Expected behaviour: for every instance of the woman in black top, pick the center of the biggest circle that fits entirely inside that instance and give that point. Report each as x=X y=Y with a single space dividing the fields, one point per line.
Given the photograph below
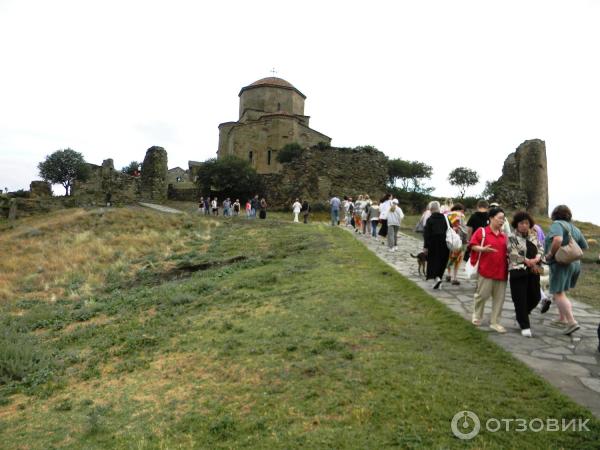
x=434 y=236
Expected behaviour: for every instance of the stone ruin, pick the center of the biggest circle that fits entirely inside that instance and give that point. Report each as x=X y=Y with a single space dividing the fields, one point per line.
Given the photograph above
x=154 y=175
x=322 y=172
x=527 y=168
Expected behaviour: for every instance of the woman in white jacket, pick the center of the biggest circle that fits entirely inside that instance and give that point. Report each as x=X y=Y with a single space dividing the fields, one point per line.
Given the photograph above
x=296 y=207
x=394 y=219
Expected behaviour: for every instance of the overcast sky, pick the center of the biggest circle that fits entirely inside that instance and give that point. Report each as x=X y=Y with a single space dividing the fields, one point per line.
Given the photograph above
x=449 y=83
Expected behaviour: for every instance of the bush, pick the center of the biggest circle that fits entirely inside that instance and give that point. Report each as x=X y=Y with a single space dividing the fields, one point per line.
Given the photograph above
x=289 y=152
x=22 y=360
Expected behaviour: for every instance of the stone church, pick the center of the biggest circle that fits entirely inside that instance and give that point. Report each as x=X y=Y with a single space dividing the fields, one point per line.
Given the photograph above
x=271 y=115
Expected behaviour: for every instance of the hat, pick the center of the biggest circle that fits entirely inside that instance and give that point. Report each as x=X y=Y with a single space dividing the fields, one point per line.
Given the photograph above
x=494 y=205
x=395 y=201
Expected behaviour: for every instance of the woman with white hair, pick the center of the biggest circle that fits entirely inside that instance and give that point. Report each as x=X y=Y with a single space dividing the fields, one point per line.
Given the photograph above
x=394 y=219
x=434 y=246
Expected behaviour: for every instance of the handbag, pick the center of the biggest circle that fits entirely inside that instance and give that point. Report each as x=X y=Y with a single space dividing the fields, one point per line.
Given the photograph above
x=453 y=240
x=470 y=269
x=569 y=253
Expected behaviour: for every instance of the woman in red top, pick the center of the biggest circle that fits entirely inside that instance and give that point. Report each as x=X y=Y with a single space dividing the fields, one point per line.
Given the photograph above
x=493 y=268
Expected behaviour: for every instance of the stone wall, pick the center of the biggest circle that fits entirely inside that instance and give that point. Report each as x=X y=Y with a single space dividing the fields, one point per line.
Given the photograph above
x=107 y=184
x=318 y=174
x=528 y=168
x=154 y=175
x=40 y=189
x=185 y=192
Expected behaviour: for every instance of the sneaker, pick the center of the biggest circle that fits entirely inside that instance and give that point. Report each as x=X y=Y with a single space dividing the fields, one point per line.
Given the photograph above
x=545 y=305
x=526 y=332
x=448 y=278
x=497 y=327
x=476 y=322
x=455 y=283
x=438 y=283
x=571 y=329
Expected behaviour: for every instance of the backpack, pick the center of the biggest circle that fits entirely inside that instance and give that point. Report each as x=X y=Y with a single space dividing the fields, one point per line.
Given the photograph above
x=453 y=240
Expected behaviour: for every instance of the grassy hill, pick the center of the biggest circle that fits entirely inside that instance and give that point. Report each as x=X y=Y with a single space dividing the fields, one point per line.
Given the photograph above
x=129 y=328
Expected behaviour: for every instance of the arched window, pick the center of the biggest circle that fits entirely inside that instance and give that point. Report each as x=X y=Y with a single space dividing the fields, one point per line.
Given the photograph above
x=250 y=155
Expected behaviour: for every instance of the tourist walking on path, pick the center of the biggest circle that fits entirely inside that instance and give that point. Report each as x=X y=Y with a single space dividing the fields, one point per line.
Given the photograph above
x=384 y=207
x=254 y=206
x=248 y=208
x=335 y=210
x=296 y=208
x=394 y=219
x=420 y=226
x=456 y=219
x=305 y=210
x=236 y=207
x=215 y=206
x=263 y=209
x=207 y=204
x=358 y=209
x=477 y=220
x=563 y=276
x=201 y=205
x=489 y=245
x=227 y=207
x=366 y=227
x=374 y=218
x=434 y=245
x=524 y=259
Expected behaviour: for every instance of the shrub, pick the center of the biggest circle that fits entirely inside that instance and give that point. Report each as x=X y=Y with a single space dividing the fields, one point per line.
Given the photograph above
x=289 y=152
x=22 y=360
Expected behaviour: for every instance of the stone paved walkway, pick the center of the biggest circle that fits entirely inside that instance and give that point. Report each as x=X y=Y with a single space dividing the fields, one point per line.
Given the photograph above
x=162 y=208
x=569 y=363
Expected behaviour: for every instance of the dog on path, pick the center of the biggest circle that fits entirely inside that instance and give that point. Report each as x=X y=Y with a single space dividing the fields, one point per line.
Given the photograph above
x=421 y=258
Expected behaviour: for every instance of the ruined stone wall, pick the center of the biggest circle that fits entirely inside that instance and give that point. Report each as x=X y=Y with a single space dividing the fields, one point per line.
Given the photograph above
x=528 y=168
x=106 y=183
x=154 y=175
x=319 y=174
x=185 y=192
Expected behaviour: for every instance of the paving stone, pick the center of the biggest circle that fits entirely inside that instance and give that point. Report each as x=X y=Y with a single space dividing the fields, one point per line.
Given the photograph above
x=583 y=359
x=545 y=355
x=559 y=351
x=591 y=383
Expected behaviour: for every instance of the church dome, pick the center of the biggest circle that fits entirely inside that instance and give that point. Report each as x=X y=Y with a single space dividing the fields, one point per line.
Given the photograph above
x=271 y=82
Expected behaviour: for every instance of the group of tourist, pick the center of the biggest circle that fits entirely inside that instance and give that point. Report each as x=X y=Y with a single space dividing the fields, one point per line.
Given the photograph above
x=369 y=217
x=253 y=206
x=505 y=251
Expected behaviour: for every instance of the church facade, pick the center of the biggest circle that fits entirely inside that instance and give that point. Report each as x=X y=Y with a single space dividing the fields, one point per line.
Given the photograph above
x=271 y=115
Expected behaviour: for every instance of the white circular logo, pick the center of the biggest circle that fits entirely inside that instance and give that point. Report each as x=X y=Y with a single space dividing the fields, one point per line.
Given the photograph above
x=464 y=421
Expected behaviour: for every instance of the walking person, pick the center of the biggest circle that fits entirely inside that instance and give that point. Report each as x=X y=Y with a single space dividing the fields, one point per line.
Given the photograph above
x=374 y=219
x=434 y=245
x=456 y=219
x=236 y=207
x=248 y=208
x=215 y=206
x=563 y=276
x=296 y=208
x=524 y=259
x=305 y=210
x=489 y=244
x=478 y=219
x=384 y=206
x=254 y=206
x=334 y=202
x=207 y=204
x=263 y=209
x=394 y=219
x=201 y=205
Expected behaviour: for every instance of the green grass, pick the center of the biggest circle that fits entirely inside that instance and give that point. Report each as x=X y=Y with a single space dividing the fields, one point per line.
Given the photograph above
x=309 y=341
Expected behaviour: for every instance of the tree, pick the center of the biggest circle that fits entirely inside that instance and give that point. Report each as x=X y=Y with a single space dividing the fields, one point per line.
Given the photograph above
x=228 y=177
x=131 y=168
x=508 y=194
x=409 y=172
x=463 y=178
x=64 y=167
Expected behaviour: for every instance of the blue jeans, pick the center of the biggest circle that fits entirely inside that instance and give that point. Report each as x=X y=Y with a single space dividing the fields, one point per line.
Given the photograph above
x=335 y=217
x=374 y=228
